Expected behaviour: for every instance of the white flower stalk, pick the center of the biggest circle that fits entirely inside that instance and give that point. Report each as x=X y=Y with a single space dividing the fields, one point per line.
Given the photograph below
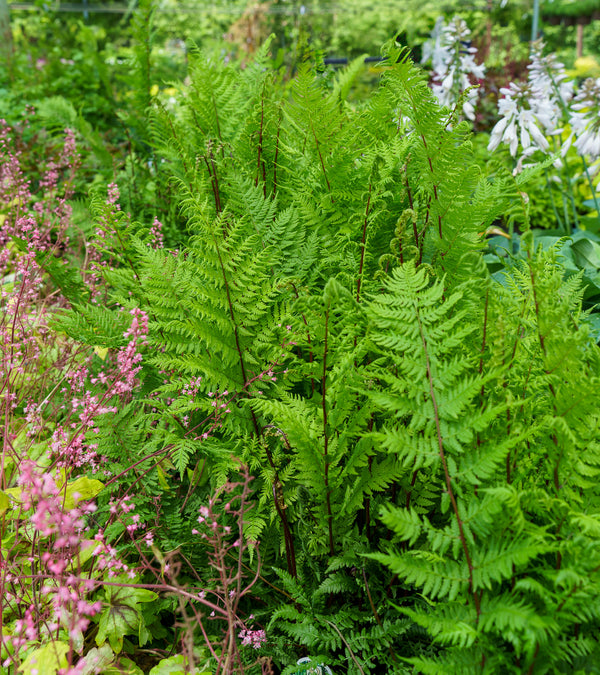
x=454 y=66
x=433 y=49
x=550 y=84
x=521 y=123
x=585 y=120
x=533 y=110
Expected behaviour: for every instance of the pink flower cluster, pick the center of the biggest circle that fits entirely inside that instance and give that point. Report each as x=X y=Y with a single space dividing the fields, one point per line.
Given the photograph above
x=113 y=195
x=256 y=638
x=129 y=357
x=70 y=443
x=132 y=521
x=40 y=221
x=107 y=558
x=50 y=572
x=51 y=213
x=58 y=534
x=158 y=240
x=40 y=493
x=192 y=388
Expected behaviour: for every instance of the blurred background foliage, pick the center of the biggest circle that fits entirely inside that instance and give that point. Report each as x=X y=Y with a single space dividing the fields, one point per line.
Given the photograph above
x=83 y=51
x=95 y=66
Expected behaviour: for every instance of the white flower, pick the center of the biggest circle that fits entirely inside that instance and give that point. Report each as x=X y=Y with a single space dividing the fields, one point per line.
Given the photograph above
x=498 y=135
x=548 y=74
x=550 y=86
x=532 y=111
x=519 y=121
x=531 y=132
x=454 y=66
x=585 y=120
x=433 y=50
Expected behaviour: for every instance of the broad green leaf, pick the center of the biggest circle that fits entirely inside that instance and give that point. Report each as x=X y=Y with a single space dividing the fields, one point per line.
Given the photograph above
x=97 y=659
x=116 y=621
x=594 y=321
x=121 y=614
x=123 y=667
x=81 y=488
x=46 y=660
x=174 y=665
x=591 y=284
x=590 y=225
x=86 y=549
x=587 y=253
x=591 y=204
x=4 y=502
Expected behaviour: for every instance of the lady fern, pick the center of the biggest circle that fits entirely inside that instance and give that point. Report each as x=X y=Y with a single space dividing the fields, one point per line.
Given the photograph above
x=424 y=438
x=493 y=432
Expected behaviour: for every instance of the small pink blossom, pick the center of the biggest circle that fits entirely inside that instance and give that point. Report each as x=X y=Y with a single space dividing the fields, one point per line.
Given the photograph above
x=256 y=638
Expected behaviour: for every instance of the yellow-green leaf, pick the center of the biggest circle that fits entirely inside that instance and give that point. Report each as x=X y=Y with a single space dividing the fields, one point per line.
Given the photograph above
x=13 y=493
x=4 y=502
x=80 y=489
x=174 y=665
x=48 y=659
x=123 y=667
x=97 y=660
x=162 y=478
x=101 y=352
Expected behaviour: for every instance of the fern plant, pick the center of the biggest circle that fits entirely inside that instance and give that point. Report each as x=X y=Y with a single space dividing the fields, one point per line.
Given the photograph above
x=424 y=439
x=493 y=428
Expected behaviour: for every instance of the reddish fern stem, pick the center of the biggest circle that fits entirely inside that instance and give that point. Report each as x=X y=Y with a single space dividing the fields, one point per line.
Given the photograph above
x=277 y=486
x=276 y=154
x=542 y=341
x=412 y=207
x=214 y=182
x=447 y=477
x=311 y=356
x=320 y=156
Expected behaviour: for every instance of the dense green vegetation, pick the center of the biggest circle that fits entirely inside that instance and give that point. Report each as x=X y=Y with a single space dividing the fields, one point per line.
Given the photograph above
x=299 y=366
